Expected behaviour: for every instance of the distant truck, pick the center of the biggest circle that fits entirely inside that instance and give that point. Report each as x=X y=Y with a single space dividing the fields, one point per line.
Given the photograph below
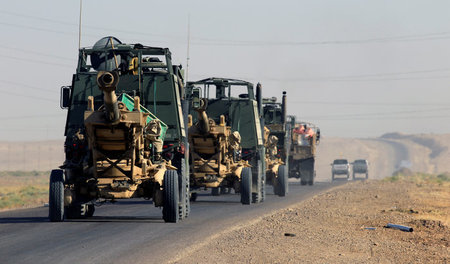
x=340 y=167
x=305 y=137
x=360 y=166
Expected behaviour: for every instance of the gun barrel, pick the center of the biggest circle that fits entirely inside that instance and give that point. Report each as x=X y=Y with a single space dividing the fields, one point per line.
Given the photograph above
x=203 y=120
x=107 y=82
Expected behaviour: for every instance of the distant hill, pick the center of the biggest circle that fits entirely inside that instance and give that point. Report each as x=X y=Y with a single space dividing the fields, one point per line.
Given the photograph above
x=419 y=152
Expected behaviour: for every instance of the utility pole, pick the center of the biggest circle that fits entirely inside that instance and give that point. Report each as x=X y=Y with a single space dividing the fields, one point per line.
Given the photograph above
x=188 y=46
x=79 y=26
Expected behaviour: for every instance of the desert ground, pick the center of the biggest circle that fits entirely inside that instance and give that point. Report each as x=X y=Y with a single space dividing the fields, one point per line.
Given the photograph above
x=342 y=225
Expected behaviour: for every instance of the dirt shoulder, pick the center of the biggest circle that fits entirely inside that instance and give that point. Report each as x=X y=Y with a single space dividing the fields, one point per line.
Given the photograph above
x=330 y=228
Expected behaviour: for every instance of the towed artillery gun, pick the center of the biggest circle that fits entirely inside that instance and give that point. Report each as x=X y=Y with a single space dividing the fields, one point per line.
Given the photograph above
x=215 y=154
x=115 y=147
x=234 y=102
x=305 y=137
x=276 y=143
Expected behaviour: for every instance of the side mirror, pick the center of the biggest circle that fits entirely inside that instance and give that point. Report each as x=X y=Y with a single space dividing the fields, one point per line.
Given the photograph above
x=196 y=102
x=65 y=97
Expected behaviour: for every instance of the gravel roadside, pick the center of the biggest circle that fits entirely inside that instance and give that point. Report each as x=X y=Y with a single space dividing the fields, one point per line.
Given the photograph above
x=345 y=225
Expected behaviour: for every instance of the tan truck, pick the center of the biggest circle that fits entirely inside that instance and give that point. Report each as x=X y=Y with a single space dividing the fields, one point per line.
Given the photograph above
x=305 y=137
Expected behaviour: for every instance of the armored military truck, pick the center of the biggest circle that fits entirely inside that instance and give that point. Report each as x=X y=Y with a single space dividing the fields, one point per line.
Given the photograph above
x=125 y=134
x=215 y=154
x=233 y=102
x=305 y=137
x=277 y=143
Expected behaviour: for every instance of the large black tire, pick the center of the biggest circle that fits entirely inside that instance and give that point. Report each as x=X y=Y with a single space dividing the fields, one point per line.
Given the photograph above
x=194 y=196
x=367 y=175
x=312 y=172
x=258 y=182
x=263 y=185
x=56 y=196
x=182 y=195
x=311 y=178
x=282 y=184
x=171 y=193
x=332 y=176
x=303 y=181
x=90 y=209
x=183 y=181
x=246 y=186
x=307 y=171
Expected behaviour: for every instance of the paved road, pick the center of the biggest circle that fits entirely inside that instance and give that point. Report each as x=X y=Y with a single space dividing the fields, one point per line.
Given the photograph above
x=131 y=231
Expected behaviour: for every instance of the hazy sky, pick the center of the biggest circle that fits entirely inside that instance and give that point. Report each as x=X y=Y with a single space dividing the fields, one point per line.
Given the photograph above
x=355 y=68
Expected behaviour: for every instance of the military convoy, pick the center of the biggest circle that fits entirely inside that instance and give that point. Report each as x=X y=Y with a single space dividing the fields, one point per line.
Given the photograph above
x=134 y=131
x=305 y=137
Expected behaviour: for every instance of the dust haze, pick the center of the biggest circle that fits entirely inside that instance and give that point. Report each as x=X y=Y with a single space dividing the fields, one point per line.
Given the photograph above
x=355 y=69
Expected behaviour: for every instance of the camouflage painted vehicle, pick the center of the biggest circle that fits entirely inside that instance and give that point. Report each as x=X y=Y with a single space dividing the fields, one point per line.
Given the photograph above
x=233 y=102
x=215 y=154
x=305 y=137
x=125 y=132
x=277 y=144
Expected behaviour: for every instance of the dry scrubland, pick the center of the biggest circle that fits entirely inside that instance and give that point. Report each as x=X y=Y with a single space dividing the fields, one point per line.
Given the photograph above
x=330 y=228
x=20 y=189
x=25 y=171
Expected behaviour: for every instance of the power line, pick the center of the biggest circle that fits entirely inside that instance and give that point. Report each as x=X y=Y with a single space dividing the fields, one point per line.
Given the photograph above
x=89 y=27
x=29 y=86
x=431 y=36
x=368 y=103
x=34 y=52
x=381 y=118
x=36 y=61
x=383 y=113
x=345 y=77
x=27 y=96
x=28 y=117
x=225 y=42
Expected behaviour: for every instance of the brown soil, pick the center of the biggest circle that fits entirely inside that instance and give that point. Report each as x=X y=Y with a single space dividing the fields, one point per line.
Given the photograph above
x=336 y=227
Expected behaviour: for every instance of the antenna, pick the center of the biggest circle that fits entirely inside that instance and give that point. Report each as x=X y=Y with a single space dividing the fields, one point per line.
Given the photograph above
x=188 y=44
x=79 y=26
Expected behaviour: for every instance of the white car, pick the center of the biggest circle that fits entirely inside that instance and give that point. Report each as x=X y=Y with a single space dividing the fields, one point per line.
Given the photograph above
x=340 y=167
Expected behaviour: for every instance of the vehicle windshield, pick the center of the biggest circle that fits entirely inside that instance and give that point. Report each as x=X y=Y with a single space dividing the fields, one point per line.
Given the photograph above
x=340 y=161
x=360 y=161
